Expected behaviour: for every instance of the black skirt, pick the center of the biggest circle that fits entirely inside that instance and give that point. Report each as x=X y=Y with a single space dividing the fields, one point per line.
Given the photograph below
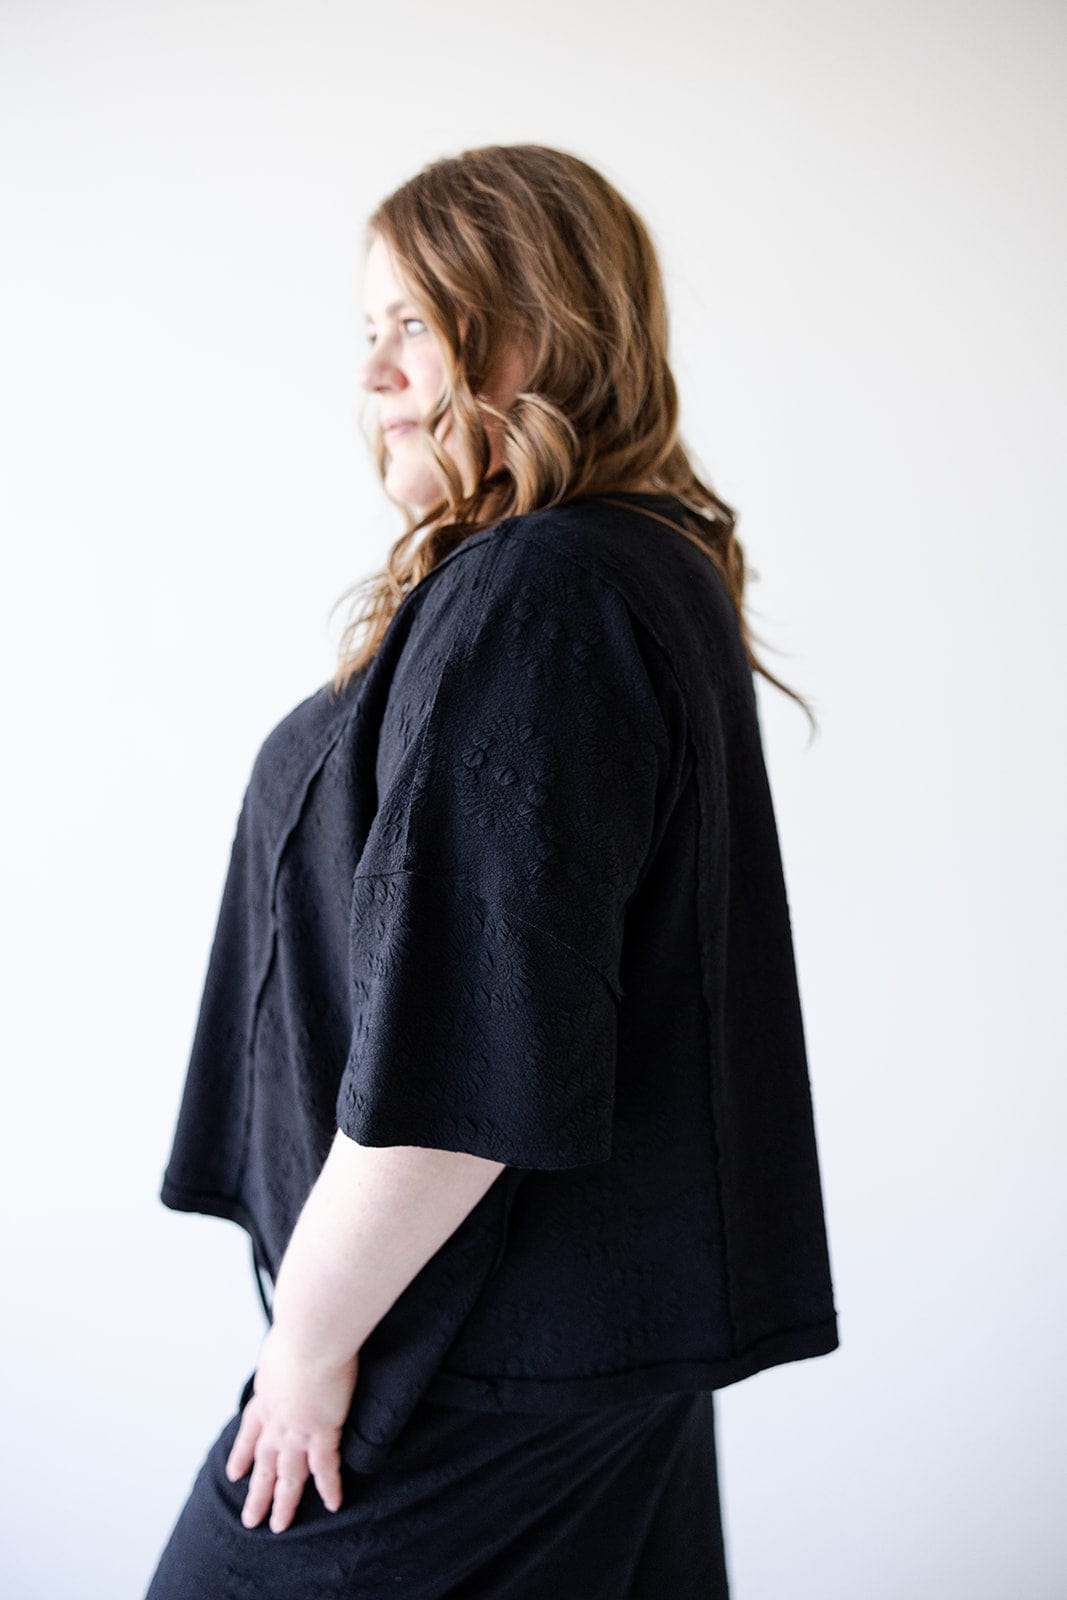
x=620 y=1503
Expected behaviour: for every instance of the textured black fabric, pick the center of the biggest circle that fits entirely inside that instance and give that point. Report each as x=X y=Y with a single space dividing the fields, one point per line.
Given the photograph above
x=518 y=891
x=618 y=1503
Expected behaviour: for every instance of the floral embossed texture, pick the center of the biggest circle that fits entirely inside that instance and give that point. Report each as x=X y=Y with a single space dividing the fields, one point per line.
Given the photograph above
x=489 y=902
x=473 y=1031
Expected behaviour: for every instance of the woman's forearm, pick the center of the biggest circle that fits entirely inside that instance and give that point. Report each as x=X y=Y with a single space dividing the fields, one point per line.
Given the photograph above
x=373 y=1219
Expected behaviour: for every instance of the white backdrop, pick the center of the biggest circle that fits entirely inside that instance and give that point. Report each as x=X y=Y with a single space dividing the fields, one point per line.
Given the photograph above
x=860 y=209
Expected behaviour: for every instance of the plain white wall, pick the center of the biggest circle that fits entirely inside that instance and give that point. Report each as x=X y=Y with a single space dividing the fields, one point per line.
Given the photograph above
x=860 y=209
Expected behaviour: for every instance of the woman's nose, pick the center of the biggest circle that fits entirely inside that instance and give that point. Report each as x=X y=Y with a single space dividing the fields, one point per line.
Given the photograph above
x=369 y=373
x=377 y=373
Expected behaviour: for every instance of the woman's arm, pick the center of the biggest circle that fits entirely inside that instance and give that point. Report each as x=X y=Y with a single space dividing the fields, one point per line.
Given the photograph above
x=374 y=1217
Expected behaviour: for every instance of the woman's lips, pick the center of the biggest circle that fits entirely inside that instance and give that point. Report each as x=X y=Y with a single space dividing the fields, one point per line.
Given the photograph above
x=391 y=429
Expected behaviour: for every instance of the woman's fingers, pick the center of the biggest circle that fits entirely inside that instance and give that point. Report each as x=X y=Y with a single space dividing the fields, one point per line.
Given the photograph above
x=279 y=1474
x=242 y=1452
x=324 y=1460
x=291 y=1476
x=278 y=1478
x=260 y=1487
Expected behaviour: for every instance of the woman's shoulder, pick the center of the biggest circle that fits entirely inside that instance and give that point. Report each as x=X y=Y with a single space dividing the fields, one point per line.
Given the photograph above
x=543 y=589
x=641 y=544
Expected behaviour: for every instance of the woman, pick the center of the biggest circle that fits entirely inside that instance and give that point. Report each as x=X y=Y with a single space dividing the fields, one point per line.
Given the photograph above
x=500 y=1059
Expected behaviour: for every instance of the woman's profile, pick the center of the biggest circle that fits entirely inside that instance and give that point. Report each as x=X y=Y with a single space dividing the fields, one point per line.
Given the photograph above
x=500 y=1059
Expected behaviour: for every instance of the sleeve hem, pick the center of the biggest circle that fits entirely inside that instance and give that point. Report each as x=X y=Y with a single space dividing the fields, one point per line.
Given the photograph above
x=379 y=1133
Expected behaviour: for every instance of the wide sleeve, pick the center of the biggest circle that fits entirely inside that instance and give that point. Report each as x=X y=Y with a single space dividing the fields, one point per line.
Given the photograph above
x=515 y=818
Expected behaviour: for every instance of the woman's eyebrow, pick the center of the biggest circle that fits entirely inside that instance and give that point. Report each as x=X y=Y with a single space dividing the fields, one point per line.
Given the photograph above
x=397 y=305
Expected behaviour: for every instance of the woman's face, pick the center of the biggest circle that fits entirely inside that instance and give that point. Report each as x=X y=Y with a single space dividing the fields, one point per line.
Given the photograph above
x=405 y=369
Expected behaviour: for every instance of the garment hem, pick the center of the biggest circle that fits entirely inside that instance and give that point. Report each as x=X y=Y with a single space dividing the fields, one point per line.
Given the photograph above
x=664 y=1377
x=501 y=1395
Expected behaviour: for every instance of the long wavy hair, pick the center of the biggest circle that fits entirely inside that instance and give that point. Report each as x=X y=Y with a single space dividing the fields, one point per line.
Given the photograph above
x=525 y=244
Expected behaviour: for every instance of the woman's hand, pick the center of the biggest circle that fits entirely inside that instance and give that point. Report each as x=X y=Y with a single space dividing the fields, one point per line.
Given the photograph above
x=290 y=1429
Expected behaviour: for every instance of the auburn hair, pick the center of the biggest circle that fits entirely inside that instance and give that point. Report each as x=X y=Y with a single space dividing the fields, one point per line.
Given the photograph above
x=527 y=244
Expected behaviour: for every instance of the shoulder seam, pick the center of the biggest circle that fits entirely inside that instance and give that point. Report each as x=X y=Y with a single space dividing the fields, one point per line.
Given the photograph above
x=483 y=540
x=471 y=603
x=530 y=536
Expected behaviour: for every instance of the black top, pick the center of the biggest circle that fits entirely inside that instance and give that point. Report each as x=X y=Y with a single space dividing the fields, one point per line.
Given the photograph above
x=518 y=891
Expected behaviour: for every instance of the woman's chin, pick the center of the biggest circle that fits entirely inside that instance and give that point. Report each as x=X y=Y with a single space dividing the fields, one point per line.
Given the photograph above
x=409 y=484
x=409 y=490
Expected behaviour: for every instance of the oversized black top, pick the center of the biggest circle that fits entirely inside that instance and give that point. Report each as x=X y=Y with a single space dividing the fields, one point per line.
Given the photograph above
x=518 y=891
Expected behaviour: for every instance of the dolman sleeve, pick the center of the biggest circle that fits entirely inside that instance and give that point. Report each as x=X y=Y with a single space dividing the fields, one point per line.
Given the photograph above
x=515 y=817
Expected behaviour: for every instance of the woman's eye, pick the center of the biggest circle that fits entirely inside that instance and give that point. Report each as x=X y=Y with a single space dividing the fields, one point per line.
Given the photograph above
x=404 y=323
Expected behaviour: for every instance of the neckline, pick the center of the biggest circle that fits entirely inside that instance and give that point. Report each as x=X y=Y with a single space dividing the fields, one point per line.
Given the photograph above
x=627 y=494
x=636 y=500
